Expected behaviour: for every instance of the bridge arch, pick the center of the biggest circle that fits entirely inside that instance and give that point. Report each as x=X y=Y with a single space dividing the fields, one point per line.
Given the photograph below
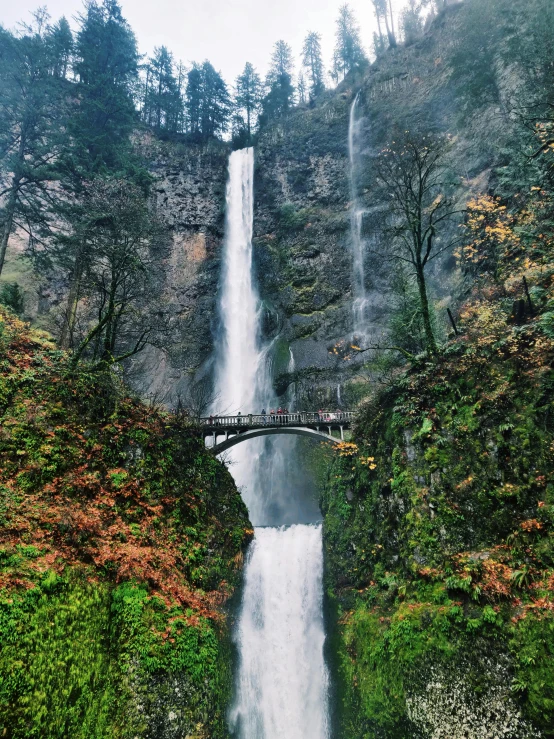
x=271 y=431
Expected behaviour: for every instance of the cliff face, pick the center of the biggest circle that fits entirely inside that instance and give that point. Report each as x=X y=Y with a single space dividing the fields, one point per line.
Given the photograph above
x=188 y=195
x=303 y=234
x=302 y=237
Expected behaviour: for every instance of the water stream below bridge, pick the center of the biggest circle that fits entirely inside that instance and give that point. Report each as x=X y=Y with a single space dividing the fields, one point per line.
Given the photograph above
x=281 y=682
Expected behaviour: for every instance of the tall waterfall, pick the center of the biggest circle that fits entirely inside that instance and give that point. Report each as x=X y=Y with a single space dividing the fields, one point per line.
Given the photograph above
x=238 y=355
x=281 y=682
x=359 y=296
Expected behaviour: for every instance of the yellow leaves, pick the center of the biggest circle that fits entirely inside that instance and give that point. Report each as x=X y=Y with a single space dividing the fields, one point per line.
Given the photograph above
x=350 y=450
x=531 y=525
x=346 y=449
x=368 y=462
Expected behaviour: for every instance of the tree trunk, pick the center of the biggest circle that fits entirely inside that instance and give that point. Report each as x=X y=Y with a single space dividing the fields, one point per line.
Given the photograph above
x=392 y=22
x=379 y=27
x=425 y=312
x=68 y=328
x=390 y=33
x=8 y=224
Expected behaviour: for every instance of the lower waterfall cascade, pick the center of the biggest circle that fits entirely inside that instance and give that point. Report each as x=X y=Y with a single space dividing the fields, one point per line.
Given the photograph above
x=281 y=684
x=282 y=680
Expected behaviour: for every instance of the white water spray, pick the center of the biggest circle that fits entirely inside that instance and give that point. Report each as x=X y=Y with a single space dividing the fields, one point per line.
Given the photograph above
x=282 y=682
x=238 y=355
x=359 y=296
x=281 y=686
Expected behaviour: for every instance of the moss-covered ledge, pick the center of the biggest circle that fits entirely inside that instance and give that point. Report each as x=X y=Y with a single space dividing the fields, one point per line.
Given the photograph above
x=120 y=540
x=439 y=525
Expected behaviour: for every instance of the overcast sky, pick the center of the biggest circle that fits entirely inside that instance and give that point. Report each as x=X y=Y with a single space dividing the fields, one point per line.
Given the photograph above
x=227 y=32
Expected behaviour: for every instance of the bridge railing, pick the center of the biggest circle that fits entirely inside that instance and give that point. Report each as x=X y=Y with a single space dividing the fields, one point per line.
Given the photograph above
x=299 y=418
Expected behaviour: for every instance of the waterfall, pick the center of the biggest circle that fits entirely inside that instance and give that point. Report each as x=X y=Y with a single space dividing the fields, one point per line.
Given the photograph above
x=359 y=297
x=281 y=682
x=238 y=354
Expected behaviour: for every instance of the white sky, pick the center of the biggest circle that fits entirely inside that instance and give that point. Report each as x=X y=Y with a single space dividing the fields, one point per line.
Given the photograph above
x=227 y=32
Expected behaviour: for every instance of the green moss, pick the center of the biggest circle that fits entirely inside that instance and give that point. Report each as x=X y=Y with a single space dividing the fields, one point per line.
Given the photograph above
x=444 y=551
x=121 y=535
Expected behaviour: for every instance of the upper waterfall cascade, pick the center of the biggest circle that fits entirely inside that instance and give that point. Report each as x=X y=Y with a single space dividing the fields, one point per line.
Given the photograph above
x=282 y=680
x=359 y=296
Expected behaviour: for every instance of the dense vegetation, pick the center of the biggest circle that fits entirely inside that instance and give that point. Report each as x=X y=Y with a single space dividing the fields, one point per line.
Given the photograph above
x=438 y=527
x=120 y=539
x=439 y=515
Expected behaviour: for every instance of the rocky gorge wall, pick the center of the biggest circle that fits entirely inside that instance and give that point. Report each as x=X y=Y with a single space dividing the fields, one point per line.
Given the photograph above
x=302 y=240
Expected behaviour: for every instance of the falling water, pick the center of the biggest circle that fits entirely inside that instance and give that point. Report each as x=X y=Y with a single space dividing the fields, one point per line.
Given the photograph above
x=359 y=297
x=239 y=355
x=281 y=682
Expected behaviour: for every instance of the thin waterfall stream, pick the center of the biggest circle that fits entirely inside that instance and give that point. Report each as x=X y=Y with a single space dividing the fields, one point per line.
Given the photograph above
x=359 y=296
x=281 y=684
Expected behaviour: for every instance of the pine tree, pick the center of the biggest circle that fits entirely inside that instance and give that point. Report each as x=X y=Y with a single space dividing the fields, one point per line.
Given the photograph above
x=383 y=12
x=208 y=102
x=302 y=89
x=30 y=109
x=248 y=97
x=412 y=21
x=162 y=100
x=60 y=40
x=313 y=63
x=193 y=98
x=348 y=47
x=106 y=65
x=280 y=96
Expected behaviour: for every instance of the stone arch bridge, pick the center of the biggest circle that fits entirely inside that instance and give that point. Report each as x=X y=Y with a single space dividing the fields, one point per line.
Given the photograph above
x=223 y=432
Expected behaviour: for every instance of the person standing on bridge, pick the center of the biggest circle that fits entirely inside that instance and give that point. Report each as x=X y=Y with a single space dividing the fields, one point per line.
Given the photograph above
x=264 y=419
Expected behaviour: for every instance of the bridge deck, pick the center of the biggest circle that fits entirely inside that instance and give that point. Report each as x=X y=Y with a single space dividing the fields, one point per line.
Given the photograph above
x=276 y=420
x=239 y=428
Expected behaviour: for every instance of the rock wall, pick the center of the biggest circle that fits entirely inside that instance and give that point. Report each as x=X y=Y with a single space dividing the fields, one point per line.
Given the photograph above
x=302 y=240
x=188 y=196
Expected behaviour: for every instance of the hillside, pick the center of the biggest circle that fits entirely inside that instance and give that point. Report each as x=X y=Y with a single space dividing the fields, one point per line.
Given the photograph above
x=439 y=515
x=121 y=539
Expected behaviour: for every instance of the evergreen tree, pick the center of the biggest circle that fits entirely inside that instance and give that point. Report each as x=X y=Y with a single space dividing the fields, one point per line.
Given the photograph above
x=193 y=98
x=216 y=102
x=412 y=21
x=248 y=97
x=106 y=65
x=208 y=102
x=348 y=47
x=30 y=108
x=280 y=96
x=302 y=89
x=281 y=61
x=162 y=99
x=61 y=44
x=383 y=13
x=313 y=63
